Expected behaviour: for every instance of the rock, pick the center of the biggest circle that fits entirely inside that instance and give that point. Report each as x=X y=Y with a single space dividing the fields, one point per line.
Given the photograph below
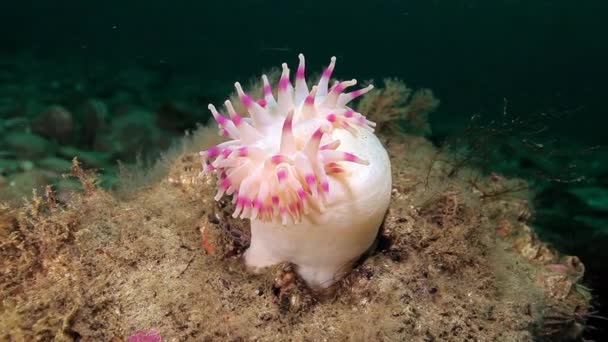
x=131 y=135
x=55 y=122
x=8 y=166
x=20 y=185
x=28 y=145
x=26 y=165
x=94 y=116
x=558 y=286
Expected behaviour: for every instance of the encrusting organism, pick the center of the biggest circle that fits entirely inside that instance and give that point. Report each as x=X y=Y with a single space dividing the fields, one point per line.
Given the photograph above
x=307 y=170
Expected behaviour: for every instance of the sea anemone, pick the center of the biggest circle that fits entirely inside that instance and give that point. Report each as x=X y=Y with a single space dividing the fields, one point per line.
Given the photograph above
x=307 y=170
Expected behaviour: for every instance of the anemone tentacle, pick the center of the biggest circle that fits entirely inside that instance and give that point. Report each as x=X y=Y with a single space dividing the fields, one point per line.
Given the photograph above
x=269 y=171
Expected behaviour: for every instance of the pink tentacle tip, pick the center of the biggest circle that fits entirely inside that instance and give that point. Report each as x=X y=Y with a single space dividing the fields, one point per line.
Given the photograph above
x=310 y=100
x=338 y=88
x=220 y=120
x=302 y=194
x=310 y=179
x=225 y=184
x=145 y=336
x=350 y=157
x=247 y=100
x=237 y=119
x=258 y=204
x=332 y=118
x=318 y=134
x=262 y=102
x=283 y=83
x=278 y=159
x=243 y=152
x=213 y=152
x=325 y=186
x=300 y=73
x=239 y=201
x=246 y=202
x=357 y=93
x=226 y=152
x=282 y=175
x=334 y=168
x=288 y=123
x=267 y=89
x=353 y=158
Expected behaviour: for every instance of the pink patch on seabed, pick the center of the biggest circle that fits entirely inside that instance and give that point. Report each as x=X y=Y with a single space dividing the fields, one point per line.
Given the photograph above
x=145 y=336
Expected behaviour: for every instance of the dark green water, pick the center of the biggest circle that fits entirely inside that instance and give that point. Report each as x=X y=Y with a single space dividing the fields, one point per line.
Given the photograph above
x=544 y=63
x=545 y=55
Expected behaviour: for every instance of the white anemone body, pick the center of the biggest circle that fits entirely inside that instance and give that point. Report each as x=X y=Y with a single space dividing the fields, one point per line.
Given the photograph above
x=309 y=173
x=325 y=244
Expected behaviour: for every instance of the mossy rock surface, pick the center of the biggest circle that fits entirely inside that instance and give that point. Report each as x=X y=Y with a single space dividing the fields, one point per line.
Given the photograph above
x=452 y=263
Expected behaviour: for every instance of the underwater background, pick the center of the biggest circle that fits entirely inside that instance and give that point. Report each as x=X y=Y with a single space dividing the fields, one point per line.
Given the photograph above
x=117 y=80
